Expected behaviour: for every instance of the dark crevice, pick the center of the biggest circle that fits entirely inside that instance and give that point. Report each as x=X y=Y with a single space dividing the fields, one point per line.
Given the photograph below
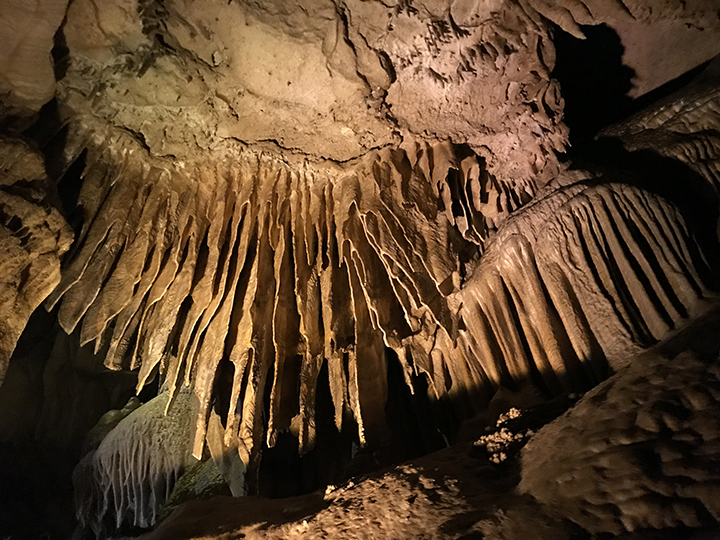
x=60 y=54
x=593 y=80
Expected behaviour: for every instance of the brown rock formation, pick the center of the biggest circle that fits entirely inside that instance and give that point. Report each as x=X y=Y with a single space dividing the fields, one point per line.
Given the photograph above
x=27 y=80
x=132 y=472
x=33 y=237
x=638 y=452
x=271 y=191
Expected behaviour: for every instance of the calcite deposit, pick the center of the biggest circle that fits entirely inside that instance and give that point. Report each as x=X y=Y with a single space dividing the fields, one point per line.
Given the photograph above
x=317 y=237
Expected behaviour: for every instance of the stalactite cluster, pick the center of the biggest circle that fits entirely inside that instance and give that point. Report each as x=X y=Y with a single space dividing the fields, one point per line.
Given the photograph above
x=275 y=270
x=577 y=282
x=130 y=476
x=683 y=128
x=268 y=270
x=283 y=210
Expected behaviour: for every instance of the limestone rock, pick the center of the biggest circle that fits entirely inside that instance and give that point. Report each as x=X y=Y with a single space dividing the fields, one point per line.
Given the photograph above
x=420 y=250
x=201 y=481
x=33 y=237
x=640 y=451
x=106 y=424
x=132 y=473
x=27 y=30
x=102 y=31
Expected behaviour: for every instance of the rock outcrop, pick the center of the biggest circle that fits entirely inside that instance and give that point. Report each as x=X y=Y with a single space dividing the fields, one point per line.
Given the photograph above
x=27 y=78
x=131 y=474
x=33 y=237
x=409 y=249
x=634 y=458
x=268 y=192
x=640 y=451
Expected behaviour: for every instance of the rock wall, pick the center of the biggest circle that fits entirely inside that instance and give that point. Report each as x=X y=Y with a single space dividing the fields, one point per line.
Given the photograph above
x=33 y=237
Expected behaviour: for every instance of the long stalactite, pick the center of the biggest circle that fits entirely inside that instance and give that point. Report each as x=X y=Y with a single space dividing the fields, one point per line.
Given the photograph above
x=275 y=269
x=270 y=269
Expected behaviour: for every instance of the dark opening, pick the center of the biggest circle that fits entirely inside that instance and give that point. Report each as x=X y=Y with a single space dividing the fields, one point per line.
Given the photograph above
x=593 y=79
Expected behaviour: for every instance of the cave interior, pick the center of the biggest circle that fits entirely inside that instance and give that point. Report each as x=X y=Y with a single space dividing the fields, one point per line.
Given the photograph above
x=360 y=269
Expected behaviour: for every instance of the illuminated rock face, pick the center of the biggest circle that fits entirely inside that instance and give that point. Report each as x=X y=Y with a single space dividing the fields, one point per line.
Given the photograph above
x=268 y=191
x=132 y=472
x=33 y=237
x=27 y=80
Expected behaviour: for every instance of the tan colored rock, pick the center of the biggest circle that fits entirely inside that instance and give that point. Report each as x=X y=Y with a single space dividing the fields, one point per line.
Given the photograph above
x=682 y=128
x=638 y=452
x=324 y=237
x=131 y=475
x=440 y=64
x=27 y=30
x=101 y=30
x=19 y=163
x=279 y=269
x=33 y=237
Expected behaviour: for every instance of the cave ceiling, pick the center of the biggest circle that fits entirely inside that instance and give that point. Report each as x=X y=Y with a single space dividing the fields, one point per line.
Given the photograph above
x=269 y=187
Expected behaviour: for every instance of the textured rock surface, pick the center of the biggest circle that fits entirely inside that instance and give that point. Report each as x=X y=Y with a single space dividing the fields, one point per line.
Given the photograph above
x=411 y=249
x=201 y=481
x=578 y=280
x=324 y=80
x=273 y=190
x=27 y=30
x=33 y=237
x=652 y=471
x=426 y=499
x=134 y=469
x=684 y=127
x=328 y=233
x=640 y=451
x=336 y=80
x=106 y=424
x=377 y=234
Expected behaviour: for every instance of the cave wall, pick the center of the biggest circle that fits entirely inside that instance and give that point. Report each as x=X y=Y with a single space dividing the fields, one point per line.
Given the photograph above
x=268 y=191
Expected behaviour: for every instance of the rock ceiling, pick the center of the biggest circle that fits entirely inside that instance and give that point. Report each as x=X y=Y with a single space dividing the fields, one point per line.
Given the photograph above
x=270 y=187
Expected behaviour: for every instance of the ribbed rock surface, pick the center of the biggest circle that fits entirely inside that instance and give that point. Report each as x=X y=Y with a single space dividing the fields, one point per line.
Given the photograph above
x=132 y=473
x=270 y=269
x=579 y=280
x=684 y=127
x=264 y=265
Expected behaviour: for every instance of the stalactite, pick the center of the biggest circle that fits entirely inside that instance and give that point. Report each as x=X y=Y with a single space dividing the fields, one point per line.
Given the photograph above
x=278 y=268
x=578 y=282
x=683 y=128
